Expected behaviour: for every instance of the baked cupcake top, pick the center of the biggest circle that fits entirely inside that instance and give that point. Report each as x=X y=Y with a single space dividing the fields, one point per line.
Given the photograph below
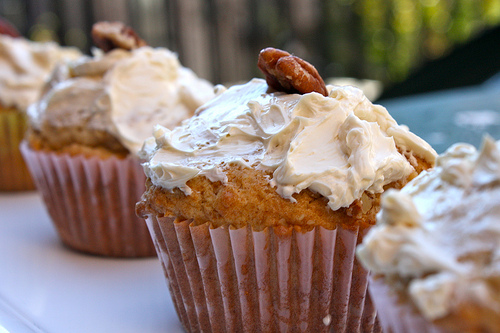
x=25 y=66
x=339 y=145
x=439 y=236
x=114 y=99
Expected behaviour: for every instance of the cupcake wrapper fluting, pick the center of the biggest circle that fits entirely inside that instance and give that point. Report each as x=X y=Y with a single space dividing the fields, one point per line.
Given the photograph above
x=92 y=201
x=395 y=315
x=14 y=175
x=278 y=279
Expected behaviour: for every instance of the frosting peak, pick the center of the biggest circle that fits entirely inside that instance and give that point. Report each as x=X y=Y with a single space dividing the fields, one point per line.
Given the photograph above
x=399 y=209
x=338 y=146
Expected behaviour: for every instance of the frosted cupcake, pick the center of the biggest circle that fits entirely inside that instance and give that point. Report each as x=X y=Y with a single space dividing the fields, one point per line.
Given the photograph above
x=25 y=66
x=87 y=128
x=435 y=252
x=257 y=202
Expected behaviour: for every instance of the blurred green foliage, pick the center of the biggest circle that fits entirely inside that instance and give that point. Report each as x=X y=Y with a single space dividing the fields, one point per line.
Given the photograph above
x=399 y=35
x=376 y=39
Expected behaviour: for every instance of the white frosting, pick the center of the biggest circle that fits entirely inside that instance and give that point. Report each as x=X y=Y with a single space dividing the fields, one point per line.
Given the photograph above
x=25 y=66
x=338 y=146
x=442 y=232
x=124 y=93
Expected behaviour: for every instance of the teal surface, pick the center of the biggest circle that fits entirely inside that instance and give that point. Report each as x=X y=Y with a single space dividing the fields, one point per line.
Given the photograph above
x=447 y=117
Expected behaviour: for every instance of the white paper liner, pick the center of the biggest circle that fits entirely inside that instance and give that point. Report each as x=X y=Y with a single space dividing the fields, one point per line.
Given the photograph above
x=397 y=316
x=92 y=201
x=14 y=175
x=278 y=279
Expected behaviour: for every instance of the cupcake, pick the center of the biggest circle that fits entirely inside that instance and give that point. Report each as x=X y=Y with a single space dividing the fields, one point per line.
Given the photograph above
x=257 y=202
x=435 y=251
x=85 y=131
x=24 y=68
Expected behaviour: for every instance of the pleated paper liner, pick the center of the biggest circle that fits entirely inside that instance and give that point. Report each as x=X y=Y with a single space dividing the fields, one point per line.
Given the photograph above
x=397 y=315
x=275 y=280
x=14 y=174
x=92 y=201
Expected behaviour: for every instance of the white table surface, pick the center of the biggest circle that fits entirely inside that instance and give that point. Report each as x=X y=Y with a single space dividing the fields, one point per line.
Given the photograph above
x=45 y=287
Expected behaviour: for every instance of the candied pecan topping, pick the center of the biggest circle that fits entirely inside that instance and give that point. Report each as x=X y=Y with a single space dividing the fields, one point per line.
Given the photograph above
x=111 y=35
x=6 y=28
x=288 y=73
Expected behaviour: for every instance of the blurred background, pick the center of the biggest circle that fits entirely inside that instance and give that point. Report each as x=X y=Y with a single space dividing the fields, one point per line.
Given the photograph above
x=390 y=41
x=434 y=64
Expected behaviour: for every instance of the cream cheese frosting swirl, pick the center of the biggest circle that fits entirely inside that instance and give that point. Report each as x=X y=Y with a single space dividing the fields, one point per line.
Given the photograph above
x=25 y=66
x=122 y=94
x=339 y=146
x=441 y=233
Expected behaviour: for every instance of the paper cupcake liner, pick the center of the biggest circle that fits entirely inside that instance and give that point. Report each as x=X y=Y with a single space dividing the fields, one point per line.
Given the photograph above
x=92 y=201
x=14 y=175
x=397 y=315
x=278 y=279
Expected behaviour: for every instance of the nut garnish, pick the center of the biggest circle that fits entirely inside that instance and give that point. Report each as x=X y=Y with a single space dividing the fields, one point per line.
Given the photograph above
x=112 y=35
x=6 y=28
x=288 y=73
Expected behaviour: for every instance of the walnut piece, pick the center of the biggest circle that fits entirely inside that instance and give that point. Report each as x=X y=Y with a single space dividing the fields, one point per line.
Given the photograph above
x=111 y=35
x=288 y=73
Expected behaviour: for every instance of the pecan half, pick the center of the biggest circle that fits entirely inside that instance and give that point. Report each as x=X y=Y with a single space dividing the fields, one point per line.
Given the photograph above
x=288 y=73
x=6 y=28
x=112 y=35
